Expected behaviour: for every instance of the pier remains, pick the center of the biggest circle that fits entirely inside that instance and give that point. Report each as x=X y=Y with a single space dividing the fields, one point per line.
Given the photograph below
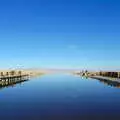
x=12 y=77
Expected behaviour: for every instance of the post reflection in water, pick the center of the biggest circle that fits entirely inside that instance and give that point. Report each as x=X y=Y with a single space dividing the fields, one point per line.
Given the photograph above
x=105 y=82
x=12 y=81
x=110 y=83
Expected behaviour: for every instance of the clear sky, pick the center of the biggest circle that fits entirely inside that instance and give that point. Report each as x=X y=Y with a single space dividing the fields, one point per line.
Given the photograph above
x=60 y=33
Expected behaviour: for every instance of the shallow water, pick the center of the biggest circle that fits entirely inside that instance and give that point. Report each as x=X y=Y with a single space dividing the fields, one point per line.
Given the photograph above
x=60 y=97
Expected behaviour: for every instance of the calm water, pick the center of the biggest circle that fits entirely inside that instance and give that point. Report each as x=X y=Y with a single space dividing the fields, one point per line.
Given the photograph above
x=60 y=97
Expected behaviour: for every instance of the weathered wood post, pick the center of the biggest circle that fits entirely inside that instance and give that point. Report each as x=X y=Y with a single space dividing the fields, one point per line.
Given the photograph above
x=7 y=73
x=19 y=73
x=12 y=73
x=1 y=74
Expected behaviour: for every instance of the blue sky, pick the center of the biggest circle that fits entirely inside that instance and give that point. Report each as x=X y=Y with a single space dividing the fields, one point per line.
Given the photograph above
x=60 y=34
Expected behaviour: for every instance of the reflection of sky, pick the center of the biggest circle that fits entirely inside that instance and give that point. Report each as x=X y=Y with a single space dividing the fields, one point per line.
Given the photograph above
x=59 y=95
x=62 y=34
x=57 y=86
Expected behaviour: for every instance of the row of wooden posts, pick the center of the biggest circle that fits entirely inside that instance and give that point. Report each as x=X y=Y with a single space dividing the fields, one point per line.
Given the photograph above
x=102 y=73
x=110 y=74
x=11 y=73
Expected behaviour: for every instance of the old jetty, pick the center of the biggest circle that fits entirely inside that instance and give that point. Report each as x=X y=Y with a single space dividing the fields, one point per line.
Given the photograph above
x=12 y=77
x=113 y=76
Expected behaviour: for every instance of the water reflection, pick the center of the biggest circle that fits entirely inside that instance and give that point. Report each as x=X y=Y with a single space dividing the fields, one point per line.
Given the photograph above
x=105 y=82
x=84 y=77
x=11 y=82
x=110 y=83
x=62 y=97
